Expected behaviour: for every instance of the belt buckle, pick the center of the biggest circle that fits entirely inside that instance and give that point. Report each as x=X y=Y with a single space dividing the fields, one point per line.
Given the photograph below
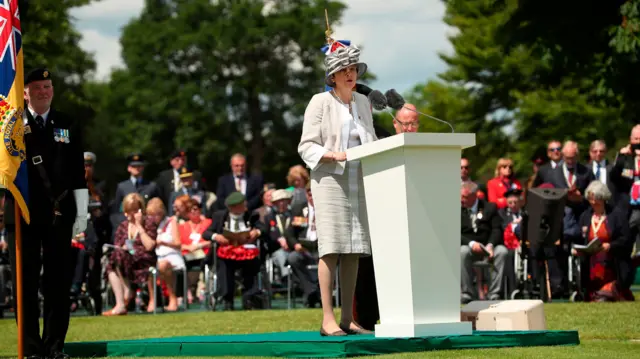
x=37 y=160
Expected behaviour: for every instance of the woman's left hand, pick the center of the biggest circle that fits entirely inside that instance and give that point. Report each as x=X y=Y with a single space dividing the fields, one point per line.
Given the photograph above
x=606 y=247
x=137 y=218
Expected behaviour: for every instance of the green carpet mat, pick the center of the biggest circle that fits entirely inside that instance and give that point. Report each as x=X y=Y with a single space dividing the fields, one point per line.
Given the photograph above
x=312 y=345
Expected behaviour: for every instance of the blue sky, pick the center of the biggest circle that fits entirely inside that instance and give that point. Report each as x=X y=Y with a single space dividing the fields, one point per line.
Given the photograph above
x=400 y=39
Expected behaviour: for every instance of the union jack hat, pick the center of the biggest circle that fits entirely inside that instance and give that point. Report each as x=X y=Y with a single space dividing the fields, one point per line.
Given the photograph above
x=341 y=54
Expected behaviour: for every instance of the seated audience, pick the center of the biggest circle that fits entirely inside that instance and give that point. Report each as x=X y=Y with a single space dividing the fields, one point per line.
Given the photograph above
x=609 y=224
x=481 y=237
x=167 y=248
x=135 y=239
x=267 y=206
x=278 y=222
x=302 y=239
x=237 y=251
x=180 y=208
x=194 y=248
x=503 y=181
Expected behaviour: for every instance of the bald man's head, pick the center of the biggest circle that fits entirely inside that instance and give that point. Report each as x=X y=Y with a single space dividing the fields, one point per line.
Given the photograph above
x=406 y=119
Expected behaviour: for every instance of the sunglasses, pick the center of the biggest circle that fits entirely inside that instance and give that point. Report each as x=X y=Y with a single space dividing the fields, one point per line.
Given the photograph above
x=554 y=149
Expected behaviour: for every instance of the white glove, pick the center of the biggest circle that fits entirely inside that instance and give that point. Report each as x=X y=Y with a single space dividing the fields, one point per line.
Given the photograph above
x=82 y=207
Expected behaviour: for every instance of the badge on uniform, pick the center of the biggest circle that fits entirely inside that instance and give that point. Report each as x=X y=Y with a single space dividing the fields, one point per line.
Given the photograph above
x=628 y=173
x=61 y=135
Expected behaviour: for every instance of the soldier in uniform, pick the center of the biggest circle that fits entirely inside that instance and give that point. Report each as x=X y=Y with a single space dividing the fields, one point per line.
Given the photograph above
x=135 y=183
x=58 y=206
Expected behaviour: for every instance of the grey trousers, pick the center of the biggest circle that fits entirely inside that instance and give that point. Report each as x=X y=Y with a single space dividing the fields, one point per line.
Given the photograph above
x=500 y=261
x=280 y=259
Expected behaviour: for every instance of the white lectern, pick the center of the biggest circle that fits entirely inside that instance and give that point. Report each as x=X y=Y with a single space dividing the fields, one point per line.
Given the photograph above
x=412 y=187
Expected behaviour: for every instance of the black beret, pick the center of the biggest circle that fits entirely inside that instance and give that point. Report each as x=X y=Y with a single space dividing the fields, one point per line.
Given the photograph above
x=513 y=192
x=178 y=153
x=38 y=74
x=135 y=159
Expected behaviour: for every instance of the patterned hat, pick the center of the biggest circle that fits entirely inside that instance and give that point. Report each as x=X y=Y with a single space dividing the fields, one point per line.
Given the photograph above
x=342 y=58
x=89 y=158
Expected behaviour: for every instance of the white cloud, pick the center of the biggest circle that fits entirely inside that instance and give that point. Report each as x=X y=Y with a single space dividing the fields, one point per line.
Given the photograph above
x=109 y=9
x=106 y=50
x=400 y=39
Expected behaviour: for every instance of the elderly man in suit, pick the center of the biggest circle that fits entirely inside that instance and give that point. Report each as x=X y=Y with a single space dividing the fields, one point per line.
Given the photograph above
x=239 y=181
x=481 y=240
x=135 y=183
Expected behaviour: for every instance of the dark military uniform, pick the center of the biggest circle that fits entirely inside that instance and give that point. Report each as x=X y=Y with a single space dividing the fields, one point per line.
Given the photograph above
x=55 y=169
x=142 y=186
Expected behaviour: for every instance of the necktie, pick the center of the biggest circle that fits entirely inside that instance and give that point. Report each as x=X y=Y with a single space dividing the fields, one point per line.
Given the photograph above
x=138 y=183
x=238 y=185
x=236 y=225
x=597 y=171
x=570 y=176
x=40 y=122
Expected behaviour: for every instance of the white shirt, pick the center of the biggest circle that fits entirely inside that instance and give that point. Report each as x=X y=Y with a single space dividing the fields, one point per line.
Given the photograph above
x=239 y=219
x=603 y=171
x=243 y=183
x=312 y=235
x=44 y=116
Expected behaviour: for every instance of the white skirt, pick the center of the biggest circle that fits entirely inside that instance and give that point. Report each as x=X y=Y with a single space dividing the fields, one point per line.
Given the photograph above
x=341 y=212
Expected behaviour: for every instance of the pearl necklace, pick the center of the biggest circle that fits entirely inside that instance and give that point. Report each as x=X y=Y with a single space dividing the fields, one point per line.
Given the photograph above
x=340 y=100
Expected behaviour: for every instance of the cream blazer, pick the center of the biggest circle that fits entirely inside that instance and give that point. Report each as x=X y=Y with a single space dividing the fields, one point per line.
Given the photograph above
x=326 y=128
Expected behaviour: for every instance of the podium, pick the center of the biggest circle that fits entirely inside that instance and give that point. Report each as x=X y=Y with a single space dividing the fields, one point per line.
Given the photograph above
x=412 y=188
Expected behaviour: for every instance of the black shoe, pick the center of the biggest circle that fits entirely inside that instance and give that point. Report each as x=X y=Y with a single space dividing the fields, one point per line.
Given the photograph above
x=337 y=333
x=359 y=330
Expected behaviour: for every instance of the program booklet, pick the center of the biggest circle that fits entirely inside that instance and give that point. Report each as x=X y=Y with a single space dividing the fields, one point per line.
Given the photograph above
x=237 y=238
x=590 y=248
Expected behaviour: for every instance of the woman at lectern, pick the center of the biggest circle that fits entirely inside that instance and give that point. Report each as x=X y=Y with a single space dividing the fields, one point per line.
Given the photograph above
x=333 y=122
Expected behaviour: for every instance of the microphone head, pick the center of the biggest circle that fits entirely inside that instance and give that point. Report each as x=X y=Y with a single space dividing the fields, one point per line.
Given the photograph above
x=394 y=100
x=363 y=89
x=378 y=100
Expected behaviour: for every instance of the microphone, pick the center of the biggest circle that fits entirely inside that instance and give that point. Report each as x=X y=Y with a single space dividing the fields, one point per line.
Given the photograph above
x=378 y=100
x=396 y=102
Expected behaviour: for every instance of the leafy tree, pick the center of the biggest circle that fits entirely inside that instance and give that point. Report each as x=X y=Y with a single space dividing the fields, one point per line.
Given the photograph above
x=217 y=78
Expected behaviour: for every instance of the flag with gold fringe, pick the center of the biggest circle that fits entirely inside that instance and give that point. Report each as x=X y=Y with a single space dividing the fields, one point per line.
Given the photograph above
x=13 y=168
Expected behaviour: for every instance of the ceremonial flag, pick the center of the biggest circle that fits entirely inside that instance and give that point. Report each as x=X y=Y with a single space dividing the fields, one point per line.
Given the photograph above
x=329 y=48
x=13 y=168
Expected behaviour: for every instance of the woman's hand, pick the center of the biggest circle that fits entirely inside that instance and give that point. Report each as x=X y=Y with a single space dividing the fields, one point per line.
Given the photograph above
x=339 y=156
x=137 y=218
x=606 y=247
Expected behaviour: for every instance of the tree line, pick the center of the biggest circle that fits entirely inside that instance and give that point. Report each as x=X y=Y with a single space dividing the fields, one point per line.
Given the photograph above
x=235 y=76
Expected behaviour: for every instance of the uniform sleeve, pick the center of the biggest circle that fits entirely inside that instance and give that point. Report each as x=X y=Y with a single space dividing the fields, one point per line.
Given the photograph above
x=76 y=166
x=311 y=147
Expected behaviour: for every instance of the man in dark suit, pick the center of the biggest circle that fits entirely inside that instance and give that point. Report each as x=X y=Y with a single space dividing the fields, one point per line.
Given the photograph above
x=135 y=183
x=58 y=210
x=168 y=181
x=554 y=154
x=239 y=181
x=600 y=166
x=573 y=175
x=302 y=239
x=189 y=188
x=625 y=174
x=481 y=240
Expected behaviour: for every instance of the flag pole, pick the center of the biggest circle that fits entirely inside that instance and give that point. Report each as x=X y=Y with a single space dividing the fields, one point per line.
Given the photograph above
x=19 y=309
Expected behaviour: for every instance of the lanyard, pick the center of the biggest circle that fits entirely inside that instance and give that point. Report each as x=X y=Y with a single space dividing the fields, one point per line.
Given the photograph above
x=596 y=224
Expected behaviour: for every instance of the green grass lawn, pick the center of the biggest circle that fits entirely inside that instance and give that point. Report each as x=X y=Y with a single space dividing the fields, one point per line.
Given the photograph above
x=606 y=329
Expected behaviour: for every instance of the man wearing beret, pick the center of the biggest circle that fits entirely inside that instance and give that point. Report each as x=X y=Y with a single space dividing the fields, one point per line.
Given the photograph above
x=233 y=253
x=58 y=208
x=135 y=183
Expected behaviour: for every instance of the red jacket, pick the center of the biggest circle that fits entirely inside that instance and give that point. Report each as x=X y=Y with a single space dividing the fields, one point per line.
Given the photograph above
x=497 y=187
